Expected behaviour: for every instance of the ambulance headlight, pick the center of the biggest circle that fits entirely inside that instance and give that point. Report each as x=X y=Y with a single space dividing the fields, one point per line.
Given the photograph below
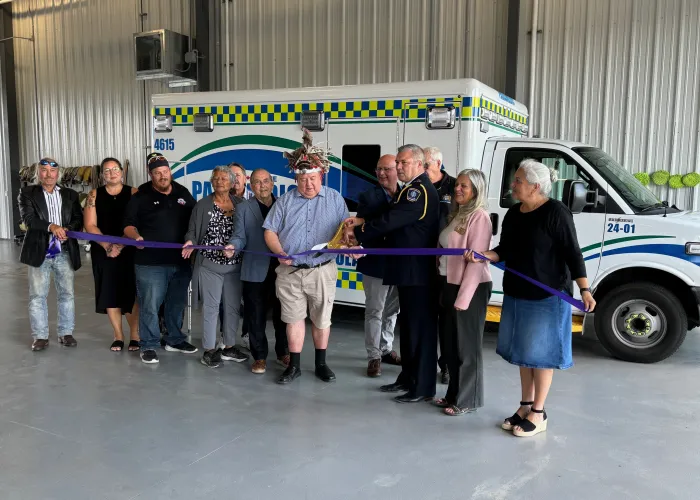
x=692 y=248
x=440 y=117
x=163 y=123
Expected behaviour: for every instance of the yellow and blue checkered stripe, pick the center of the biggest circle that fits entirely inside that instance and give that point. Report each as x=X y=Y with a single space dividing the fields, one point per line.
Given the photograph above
x=415 y=109
x=467 y=108
x=503 y=111
x=351 y=280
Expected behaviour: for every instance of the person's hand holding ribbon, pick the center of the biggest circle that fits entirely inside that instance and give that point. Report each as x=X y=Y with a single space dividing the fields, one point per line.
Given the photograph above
x=187 y=252
x=229 y=250
x=354 y=255
x=588 y=301
x=58 y=231
x=286 y=262
x=113 y=250
x=478 y=257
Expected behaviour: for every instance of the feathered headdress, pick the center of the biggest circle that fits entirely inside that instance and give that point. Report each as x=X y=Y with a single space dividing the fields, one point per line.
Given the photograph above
x=308 y=158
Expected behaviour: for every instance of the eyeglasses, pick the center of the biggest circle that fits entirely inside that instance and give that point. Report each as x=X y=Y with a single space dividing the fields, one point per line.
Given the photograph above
x=49 y=163
x=384 y=170
x=156 y=157
x=113 y=170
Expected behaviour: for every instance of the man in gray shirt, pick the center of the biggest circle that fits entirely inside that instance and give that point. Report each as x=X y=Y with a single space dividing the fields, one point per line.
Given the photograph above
x=301 y=219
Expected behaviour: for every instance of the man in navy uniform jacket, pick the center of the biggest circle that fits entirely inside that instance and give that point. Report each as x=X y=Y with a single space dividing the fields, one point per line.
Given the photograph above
x=411 y=222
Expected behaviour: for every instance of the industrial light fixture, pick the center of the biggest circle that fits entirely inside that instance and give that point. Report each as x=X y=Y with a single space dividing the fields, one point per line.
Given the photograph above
x=182 y=82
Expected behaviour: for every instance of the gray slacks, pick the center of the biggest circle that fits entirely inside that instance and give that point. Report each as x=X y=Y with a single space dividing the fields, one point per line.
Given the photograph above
x=215 y=288
x=381 y=310
x=464 y=337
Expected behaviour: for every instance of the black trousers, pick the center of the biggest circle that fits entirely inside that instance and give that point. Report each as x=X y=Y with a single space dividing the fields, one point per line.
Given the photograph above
x=257 y=299
x=443 y=342
x=464 y=335
x=418 y=325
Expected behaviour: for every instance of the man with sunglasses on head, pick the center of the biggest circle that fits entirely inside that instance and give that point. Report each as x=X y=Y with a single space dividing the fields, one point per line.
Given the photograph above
x=160 y=211
x=48 y=211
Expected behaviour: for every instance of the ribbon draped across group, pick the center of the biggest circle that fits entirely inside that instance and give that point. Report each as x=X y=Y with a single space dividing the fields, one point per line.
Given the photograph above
x=117 y=240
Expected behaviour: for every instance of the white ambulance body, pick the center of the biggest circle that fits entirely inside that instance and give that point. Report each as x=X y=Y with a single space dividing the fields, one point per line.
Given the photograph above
x=641 y=256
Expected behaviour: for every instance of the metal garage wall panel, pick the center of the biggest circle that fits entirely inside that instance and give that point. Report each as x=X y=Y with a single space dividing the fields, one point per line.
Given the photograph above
x=623 y=75
x=5 y=171
x=90 y=105
x=292 y=43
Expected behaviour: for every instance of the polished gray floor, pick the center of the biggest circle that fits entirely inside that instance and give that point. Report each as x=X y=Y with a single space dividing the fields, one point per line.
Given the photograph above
x=86 y=423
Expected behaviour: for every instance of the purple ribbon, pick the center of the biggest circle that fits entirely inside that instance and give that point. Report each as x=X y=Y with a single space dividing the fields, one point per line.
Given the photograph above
x=101 y=238
x=54 y=247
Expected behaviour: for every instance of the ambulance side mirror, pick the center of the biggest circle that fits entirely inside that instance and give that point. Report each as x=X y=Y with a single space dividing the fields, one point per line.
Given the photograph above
x=577 y=197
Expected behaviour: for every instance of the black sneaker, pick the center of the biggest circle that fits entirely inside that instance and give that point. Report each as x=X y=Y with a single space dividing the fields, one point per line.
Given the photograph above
x=212 y=359
x=183 y=347
x=233 y=354
x=149 y=356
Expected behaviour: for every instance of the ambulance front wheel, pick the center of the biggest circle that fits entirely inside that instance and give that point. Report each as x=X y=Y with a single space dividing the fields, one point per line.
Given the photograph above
x=640 y=322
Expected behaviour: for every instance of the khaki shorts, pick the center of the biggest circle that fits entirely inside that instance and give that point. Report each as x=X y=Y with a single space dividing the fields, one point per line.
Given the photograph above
x=314 y=288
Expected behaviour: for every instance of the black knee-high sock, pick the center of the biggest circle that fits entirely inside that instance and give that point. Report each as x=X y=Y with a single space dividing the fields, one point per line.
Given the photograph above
x=295 y=359
x=320 y=357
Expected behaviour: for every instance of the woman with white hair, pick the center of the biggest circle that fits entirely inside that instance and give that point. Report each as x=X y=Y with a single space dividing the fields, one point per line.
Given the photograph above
x=538 y=239
x=466 y=291
x=216 y=278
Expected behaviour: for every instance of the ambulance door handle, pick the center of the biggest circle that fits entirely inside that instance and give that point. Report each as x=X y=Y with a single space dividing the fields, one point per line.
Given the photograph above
x=494 y=224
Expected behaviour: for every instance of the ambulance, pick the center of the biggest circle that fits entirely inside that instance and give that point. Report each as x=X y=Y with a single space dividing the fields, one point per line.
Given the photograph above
x=642 y=256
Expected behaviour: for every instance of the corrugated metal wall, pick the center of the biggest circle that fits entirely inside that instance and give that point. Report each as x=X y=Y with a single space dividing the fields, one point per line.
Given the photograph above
x=623 y=75
x=90 y=105
x=5 y=172
x=295 y=43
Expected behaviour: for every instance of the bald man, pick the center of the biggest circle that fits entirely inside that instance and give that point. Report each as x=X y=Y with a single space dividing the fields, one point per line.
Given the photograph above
x=258 y=272
x=381 y=301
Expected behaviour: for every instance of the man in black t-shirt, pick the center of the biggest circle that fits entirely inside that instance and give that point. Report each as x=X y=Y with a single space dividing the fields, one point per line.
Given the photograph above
x=445 y=186
x=160 y=211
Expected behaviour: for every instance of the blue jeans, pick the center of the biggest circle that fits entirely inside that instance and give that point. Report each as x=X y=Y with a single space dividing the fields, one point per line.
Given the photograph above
x=39 y=282
x=155 y=285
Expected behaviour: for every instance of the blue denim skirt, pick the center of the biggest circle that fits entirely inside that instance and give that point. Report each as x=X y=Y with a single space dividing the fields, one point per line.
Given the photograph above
x=536 y=333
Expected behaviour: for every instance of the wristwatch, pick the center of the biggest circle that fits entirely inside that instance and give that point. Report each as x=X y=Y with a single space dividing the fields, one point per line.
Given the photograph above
x=584 y=290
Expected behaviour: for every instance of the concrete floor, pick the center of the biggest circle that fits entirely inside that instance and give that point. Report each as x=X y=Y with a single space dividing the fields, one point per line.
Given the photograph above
x=87 y=423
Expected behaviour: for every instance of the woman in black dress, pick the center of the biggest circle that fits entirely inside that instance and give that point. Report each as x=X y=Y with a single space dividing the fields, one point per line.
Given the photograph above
x=113 y=265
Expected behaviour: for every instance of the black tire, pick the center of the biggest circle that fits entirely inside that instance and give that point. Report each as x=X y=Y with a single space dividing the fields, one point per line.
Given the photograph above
x=659 y=308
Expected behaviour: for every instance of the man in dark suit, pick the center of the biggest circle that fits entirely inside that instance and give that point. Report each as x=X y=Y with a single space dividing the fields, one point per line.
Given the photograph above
x=258 y=272
x=412 y=222
x=381 y=301
x=48 y=211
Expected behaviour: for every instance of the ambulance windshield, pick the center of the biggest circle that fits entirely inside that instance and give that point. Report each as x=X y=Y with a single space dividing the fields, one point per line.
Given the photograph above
x=635 y=194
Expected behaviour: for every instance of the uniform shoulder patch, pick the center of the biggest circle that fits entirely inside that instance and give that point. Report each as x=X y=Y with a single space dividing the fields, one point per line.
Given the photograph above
x=412 y=194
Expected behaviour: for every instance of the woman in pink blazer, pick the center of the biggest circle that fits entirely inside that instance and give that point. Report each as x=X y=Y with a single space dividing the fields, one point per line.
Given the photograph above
x=466 y=291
